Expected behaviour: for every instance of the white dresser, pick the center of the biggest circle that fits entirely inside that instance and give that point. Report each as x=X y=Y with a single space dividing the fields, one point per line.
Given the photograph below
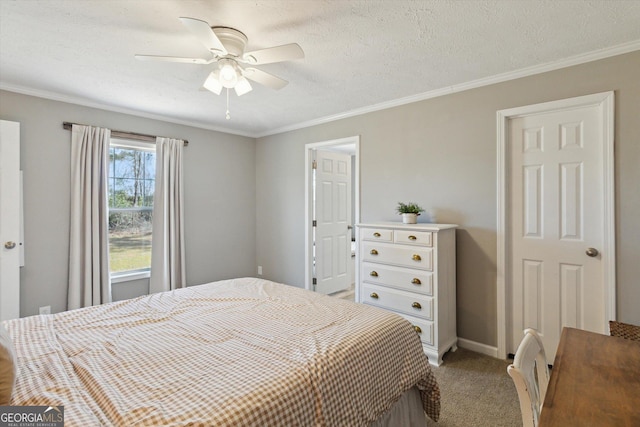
x=411 y=269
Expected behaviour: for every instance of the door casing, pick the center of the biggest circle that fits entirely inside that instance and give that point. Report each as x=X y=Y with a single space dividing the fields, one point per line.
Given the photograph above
x=308 y=200
x=605 y=101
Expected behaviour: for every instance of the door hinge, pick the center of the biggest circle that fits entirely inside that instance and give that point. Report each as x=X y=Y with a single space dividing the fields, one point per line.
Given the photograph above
x=314 y=165
x=314 y=223
x=314 y=283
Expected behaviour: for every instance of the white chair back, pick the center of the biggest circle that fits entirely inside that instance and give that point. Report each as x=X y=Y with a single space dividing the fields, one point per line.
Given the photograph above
x=530 y=374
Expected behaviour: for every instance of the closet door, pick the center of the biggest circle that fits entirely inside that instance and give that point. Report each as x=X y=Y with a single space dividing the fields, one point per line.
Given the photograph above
x=9 y=220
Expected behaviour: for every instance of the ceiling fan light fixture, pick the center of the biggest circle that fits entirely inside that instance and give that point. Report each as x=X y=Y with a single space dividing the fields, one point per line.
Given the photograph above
x=213 y=84
x=228 y=73
x=243 y=86
x=226 y=46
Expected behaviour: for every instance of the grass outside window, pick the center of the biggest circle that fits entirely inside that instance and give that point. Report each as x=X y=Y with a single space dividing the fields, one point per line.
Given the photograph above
x=129 y=252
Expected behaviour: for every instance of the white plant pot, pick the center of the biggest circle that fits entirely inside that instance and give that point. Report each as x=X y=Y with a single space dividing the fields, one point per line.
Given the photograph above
x=409 y=218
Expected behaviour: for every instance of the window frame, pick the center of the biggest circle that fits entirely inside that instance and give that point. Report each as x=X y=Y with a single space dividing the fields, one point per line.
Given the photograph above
x=142 y=273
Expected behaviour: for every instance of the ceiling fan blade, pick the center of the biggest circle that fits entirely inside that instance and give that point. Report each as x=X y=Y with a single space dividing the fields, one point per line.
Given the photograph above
x=264 y=78
x=286 y=52
x=205 y=34
x=174 y=59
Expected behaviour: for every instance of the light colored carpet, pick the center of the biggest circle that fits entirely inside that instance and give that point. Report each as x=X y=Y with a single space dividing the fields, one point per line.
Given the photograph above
x=476 y=391
x=348 y=294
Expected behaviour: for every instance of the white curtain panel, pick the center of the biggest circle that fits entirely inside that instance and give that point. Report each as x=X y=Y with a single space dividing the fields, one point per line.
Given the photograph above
x=167 y=244
x=89 y=282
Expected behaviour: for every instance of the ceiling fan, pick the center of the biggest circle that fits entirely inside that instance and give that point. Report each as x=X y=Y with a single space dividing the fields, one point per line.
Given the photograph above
x=226 y=46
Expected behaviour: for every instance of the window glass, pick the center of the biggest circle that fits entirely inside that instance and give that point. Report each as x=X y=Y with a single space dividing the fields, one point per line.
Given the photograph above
x=131 y=186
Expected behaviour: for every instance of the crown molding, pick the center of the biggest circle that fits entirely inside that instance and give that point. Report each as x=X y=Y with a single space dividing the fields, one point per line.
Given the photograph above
x=86 y=103
x=498 y=78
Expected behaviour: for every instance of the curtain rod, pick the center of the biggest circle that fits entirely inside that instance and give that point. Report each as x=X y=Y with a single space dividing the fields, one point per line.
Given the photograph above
x=123 y=134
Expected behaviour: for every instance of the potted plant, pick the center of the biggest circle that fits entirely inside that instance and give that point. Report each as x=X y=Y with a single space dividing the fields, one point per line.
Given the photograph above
x=409 y=212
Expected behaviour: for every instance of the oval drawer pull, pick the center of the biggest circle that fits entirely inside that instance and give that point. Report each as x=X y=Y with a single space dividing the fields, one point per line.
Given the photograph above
x=416 y=281
x=413 y=237
x=374 y=295
x=416 y=305
x=376 y=234
x=417 y=329
x=373 y=252
x=416 y=257
x=373 y=274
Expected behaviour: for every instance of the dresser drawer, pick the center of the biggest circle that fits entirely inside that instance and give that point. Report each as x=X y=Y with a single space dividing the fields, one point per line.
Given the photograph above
x=418 y=238
x=376 y=235
x=393 y=299
x=424 y=328
x=419 y=281
x=405 y=256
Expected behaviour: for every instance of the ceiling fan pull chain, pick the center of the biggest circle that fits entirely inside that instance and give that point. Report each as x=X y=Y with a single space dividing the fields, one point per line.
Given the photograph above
x=228 y=116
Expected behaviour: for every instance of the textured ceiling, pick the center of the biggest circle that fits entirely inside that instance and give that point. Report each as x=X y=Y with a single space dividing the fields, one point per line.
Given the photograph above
x=358 y=53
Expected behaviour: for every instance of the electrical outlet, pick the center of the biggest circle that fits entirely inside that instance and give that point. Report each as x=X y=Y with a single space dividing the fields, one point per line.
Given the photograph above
x=260 y=270
x=45 y=309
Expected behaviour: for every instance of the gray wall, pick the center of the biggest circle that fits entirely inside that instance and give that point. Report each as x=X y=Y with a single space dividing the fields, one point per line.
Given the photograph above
x=219 y=175
x=441 y=153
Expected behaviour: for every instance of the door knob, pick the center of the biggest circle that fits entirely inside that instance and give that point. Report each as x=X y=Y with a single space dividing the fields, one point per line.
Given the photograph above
x=10 y=245
x=592 y=252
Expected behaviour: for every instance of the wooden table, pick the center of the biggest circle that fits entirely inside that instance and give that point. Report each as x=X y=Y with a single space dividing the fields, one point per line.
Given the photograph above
x=595 y=381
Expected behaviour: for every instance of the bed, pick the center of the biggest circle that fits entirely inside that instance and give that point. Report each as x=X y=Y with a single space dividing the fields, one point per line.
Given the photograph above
x=235 y=352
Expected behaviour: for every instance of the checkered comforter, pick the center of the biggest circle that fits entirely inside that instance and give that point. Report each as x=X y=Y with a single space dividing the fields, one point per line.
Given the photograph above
x=235 y=352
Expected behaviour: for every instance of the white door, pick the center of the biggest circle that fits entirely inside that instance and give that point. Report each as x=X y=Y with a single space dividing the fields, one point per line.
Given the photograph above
x=9 y=220
x=332 y=216
x=556 y=228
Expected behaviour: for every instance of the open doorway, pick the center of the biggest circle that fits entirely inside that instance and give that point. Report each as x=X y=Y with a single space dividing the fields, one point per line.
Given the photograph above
x=332 y=208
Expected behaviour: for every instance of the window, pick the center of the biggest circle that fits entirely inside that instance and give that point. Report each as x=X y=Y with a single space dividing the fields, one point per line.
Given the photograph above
x=131 y=184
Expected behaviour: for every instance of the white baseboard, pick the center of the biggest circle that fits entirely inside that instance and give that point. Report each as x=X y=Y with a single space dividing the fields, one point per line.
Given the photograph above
x=478 y=347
